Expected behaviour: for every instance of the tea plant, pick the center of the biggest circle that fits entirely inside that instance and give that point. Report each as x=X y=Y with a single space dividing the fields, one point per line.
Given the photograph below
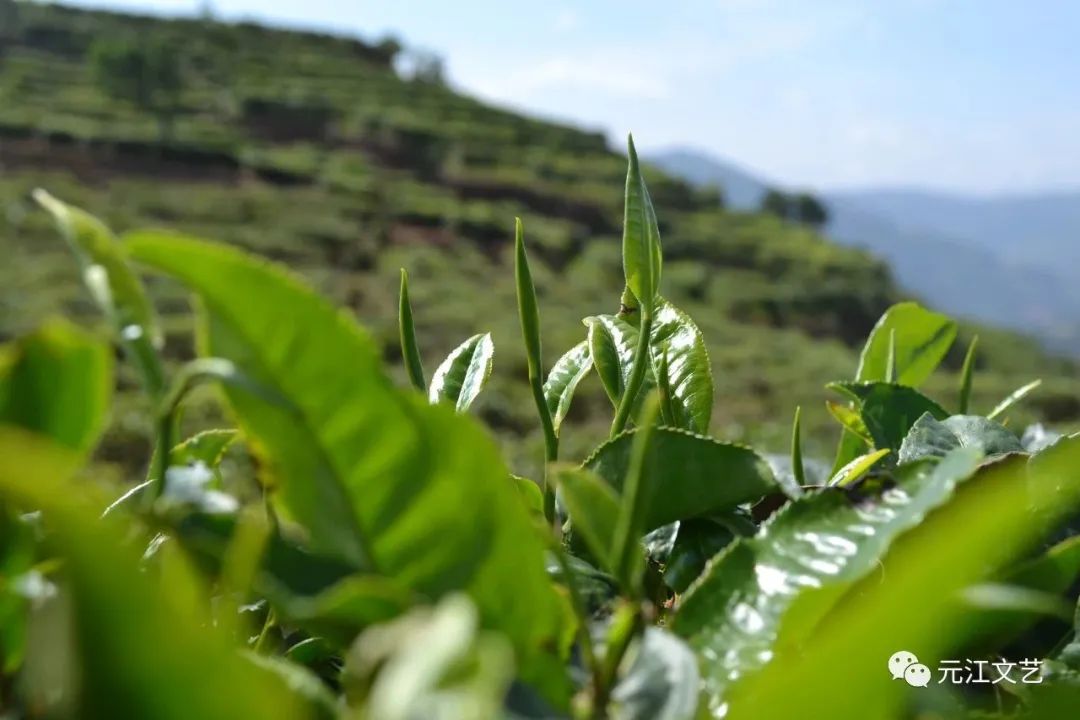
x=382 y=561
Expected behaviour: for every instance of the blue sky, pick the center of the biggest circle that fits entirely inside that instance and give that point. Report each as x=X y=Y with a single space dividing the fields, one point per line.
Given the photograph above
x=974 y=96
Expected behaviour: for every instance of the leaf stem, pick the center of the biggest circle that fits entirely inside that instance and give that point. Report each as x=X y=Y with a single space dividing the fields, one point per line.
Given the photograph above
x=159 y=463
x=966 y=374
x=268 y=624
x=551 y=446
x=625 y=547
x=625 y=627
x=637 y=374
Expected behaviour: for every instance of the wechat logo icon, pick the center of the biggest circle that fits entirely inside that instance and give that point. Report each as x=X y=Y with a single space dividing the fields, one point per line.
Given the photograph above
x=903 y=665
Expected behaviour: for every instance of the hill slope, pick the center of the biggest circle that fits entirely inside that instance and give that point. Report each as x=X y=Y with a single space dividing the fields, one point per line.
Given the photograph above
x=312 y=150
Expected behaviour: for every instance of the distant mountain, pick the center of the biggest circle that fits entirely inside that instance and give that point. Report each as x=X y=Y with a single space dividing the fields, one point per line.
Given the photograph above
x=1005 y=261
x=742 y=189
x=1040 y=230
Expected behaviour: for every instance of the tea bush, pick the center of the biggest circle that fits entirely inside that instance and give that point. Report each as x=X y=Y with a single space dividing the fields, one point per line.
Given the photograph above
x=349 y=547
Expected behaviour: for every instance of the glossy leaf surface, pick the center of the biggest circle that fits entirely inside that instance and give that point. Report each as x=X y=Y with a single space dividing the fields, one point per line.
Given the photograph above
x=732 y=615
x=562 y=381
x=686 y=475
x=463 y=374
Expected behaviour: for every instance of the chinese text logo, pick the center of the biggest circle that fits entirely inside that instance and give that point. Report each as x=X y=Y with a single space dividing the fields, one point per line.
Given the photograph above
x=903 y=665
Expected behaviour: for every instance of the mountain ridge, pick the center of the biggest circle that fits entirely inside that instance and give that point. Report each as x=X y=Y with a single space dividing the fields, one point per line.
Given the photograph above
x=966 y=254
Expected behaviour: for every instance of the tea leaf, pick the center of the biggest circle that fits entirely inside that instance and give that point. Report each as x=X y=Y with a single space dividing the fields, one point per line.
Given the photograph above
x=930 y=438
x=562 y=381
x=661 y=682
x=697 y=542
x=593 y=507
x=1015 y=397
x=732 y=615
x=410 y=349
x=858 y=467
x=889 y=411
x=642 y=258
x=796 y=450
x=207 y=447
x=689 y=371
x=114 y=286
x=1003 y=510
x=463 y=374
x=686 y=475
x=919 y=339
x=612 y=342
x=122 y=620
x=966 y=374
x=850 y=418
x=635 y=500
x=354 y=459
x=57 y=382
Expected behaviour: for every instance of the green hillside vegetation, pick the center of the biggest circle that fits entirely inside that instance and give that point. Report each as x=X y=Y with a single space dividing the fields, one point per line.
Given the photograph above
x=347 y=160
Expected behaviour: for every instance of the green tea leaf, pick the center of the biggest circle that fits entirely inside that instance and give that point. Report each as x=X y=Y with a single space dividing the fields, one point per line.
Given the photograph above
x=930 y=438
x=340 y=611
x=611 y=346
x=528 y=308
x=321 y=594
x=689 y=372
x=114 y=286
x=354 y=458
x=17 y=573
x=136 y=651
x=663 y=385
x=921 y=339
x=207 y=447
x=530 y=492
x=889 y=411
x=1054 y=571
x=410 y=348
x=562 y=381
x=593 y=507
x=697 y=542
x=635 y=501
x=430 y=664
x=57 y=382
x=1013 y=602
x=991 y=520
x=1015 y=397
x=858 y=467
x=463 y=374
x=319 y=701
x=797 y=468
x=686 y=475
x=732 y=615
x=529 y=317
x=642 y=257
x=661 y=682
x=850 y=418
